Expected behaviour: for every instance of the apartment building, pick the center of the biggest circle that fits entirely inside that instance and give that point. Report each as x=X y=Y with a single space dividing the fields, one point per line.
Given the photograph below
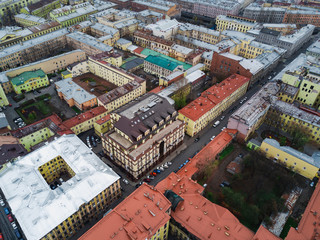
x=264 y=14
x=234 y=23
x=70 y=15
x=85 y=121
x=252 y=113
x=145 y=39
x=3 y=97
x=102 y=125
x=166 y=8
x=212 y=102
x=10 y=148
x=287 y=117
x=160 y=66
x=211 y=8
x=28 y=81
x=122 y=95
x=292 y=159
x=75 y=95
x=49 y=65
x=106 y=34
x=10 y=7
x=165 y=28
x=33 y=50
x=41 y=8
x=302 y=17
x=4 y=125
x=149 y=16
x=32 y=135
x=26 y=20
x=64 y=196
x=145 y=131
x=87 y=43
x=290 y=42
x=314 y=49
x=146 y=209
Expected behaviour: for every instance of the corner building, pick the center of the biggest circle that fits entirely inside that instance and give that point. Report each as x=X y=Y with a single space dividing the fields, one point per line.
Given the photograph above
x=54 y=190
x=145 y=131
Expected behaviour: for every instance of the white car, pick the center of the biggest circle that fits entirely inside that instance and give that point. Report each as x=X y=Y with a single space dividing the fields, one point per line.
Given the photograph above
x=2 y=203
x=222 y=118
x=169 y=163
x=125 y=181
x=212 y=138
x=223 y=128
x=165 y=166
x=13 y=224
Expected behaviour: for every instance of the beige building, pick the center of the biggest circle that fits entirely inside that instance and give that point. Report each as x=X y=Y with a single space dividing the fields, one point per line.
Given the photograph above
x=106 y=34
x=144 y=133
x=160 y=66
x=87 y=43
x=49 y=65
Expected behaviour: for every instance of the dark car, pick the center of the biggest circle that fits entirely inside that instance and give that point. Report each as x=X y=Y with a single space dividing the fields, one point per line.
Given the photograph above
x=10 y=218
x=17 y=234
x=147 y=180
x=197 y=139
x=93 y=141
x=6 y=210
x=101 y=154
x=156 y=171
x=225 y=184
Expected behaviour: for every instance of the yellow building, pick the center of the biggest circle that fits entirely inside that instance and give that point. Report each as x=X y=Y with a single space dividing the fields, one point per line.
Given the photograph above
x=3 y=98
x=287 y=117
x=212 y=102
x=28 y=81
x=26 y=20
x=13 y=7
x=65 y=196
x=108 y=72
x=85 y=121
x=102 y=125
x=287 y=93
x=234 y=23
x=123 y=44
x=294 y=160
x=291 y=78
x=66 y=74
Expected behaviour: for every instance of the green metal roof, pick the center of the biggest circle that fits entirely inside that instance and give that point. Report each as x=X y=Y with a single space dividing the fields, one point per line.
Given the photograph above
x=148 y=52
x=162 y=62
x=25 y=76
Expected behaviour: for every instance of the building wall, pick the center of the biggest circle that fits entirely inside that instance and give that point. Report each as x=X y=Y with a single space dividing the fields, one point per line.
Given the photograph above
x=34 y=138
x=88 y=48
x=13 y=7
x=156 y=69
x=101 y=129
x=3 y=98
x=139 y=166
x=82 y=106
x=300 y=18
x=264 y=15
x=87 y=212
x=25 y=22
x=80 y=68
x=109 y=73
x=85 y=126
x=125 y=98
x=309 y=93
x=195 y=126
x=232 y=24
x=285 y=122
x=291 y=162
x=31 y=84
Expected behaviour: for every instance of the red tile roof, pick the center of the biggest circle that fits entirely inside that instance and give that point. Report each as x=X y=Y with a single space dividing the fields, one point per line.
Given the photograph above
x=84 y=117
x=138 y=50
x=265 y=234
x=103 y=120
x=308 y=228
x=157 y=89
x=213 y=96
x=138 y=216
x=208 y=153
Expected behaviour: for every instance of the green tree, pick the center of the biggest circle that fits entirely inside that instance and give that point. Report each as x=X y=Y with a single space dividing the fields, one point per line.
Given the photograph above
x=299 y=136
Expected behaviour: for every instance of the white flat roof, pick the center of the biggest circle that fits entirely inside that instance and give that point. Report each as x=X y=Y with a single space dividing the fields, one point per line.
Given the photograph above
x=39 y=209
x=72 y=90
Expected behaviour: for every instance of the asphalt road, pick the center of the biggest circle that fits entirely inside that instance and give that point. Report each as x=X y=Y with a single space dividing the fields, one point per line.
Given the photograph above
x=5 y=226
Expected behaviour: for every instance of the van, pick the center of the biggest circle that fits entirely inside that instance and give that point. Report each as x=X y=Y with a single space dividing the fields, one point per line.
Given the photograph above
x=216 y=124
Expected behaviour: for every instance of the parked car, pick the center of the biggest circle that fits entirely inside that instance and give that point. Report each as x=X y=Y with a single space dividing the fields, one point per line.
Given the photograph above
x=197 y=139
x=216 y=124
x=151 y=177
x=2 y=202
x=6 y=210
x=222 y=117
x=153 y=174
x=156 y=171
x=13 y=224
x=93 y=141
x=10 y=218
x=147 y=180
x=138 y=184
x=16 y=231
x=125 y=181
x=160 y=168
x=169 y=163
x=165 y=166
x=1 y=236
x=225 y=184
x=212 y=137
x=223 y=128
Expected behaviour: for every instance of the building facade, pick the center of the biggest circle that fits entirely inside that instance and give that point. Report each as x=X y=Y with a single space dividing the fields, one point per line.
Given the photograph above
x=56 y=180
x=28 y=81
x=145 y=131
x=25 y=20
x=160 y=66
x=234 y=23
x=212 y=102
x=264 y=14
